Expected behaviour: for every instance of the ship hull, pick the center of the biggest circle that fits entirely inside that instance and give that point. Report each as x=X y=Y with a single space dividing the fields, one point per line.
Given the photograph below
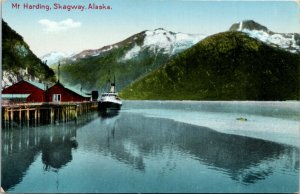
x=109 y=105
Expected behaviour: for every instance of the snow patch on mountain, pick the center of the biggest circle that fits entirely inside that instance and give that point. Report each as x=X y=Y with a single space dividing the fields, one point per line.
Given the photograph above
x=158 y=39
x=163 y=41
x=171 y=43
x=184 y=41
x=55 y=57
x=284 y=41
x=104 y=49
x=240 y=26
x=132 y=52
x=92 y=52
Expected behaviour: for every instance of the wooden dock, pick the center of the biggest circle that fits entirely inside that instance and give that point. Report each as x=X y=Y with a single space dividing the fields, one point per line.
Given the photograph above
x=20 y=114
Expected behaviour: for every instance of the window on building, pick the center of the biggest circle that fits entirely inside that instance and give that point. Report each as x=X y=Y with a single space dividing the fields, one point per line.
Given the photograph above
x=56 y=97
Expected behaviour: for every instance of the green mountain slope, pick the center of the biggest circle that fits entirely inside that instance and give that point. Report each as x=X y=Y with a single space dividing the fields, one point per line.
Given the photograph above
x=93 y=72
x=225 y=66
x=128 y=60
x=18 y=61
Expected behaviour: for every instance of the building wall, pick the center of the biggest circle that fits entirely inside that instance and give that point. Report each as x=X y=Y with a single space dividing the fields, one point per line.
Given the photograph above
x=66 y=94
x=22 y=87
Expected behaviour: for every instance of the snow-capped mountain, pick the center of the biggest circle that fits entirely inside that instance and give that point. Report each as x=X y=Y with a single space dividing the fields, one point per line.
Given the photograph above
x=169 y=42
x=237 y=66
x=55 y=56
x=166 y=42
x=286 y=41
x=92 y=52
x=157 y=41
x=129 y=59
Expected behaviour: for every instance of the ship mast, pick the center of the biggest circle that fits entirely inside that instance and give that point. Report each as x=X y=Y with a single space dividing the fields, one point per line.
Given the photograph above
x=113 y=86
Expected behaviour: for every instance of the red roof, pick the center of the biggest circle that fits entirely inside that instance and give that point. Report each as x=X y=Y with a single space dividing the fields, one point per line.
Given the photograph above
x=39 y=92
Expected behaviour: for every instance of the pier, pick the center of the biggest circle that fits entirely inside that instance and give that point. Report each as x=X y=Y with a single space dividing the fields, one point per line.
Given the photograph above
x=20 y=114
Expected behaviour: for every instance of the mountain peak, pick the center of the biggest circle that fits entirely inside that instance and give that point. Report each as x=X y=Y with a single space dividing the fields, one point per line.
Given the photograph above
x=248 y=24
x=169 y=42
x=157 y=29
x=158 y=40
x=244 y=69
x=55 y=56
x=287 y=41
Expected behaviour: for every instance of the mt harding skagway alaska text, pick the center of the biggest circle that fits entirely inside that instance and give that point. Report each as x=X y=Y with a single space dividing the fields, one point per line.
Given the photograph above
x=58 y=6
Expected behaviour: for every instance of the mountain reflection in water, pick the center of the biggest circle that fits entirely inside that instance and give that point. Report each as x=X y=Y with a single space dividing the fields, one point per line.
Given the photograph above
x=238 y=156
x=139 y=143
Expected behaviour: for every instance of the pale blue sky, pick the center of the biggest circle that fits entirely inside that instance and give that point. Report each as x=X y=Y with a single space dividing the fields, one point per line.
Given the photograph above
x=93 y=29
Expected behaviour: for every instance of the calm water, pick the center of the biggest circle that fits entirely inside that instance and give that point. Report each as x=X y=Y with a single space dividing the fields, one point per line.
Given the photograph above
x=159 y=147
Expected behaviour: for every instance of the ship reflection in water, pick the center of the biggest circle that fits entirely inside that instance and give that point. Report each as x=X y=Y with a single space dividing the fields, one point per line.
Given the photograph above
x=108 y=113
x=126 y=152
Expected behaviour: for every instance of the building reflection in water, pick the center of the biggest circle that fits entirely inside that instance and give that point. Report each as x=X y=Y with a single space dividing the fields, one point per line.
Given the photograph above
x=21 y=147
x=57 y=150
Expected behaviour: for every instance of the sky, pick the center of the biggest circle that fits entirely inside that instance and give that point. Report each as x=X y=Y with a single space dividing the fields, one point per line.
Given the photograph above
x=76 y=30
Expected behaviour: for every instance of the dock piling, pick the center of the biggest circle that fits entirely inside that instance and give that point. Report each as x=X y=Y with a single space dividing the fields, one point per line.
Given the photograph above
x=37 y=113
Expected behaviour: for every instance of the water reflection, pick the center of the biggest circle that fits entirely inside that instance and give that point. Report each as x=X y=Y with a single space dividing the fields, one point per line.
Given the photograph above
x=21 y=147
x=108 y=113
x=117 y=148
x=130 y=138
x=146 y=147
x=57 y=150
x=19 y=150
